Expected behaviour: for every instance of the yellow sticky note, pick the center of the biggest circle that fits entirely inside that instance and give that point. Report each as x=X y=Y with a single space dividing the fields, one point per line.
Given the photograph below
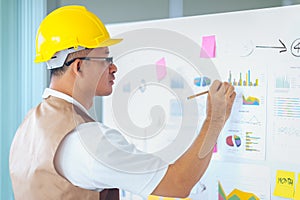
x=297 y=190
x=153 y=197
x=168 y=198
x=285 y=182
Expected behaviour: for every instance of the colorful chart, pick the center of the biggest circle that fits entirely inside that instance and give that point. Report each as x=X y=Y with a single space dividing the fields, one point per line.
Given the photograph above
x=221 y=193
x=233 y=141
x=254 y=101
x=240 y=82
x=202 y=81
x=235 y=194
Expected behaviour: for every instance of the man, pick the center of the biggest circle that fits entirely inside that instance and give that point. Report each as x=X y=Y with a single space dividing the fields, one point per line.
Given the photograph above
x=49 y=158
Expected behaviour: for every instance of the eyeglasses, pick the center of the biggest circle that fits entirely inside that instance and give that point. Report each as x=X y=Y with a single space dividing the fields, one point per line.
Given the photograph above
x=109 y=60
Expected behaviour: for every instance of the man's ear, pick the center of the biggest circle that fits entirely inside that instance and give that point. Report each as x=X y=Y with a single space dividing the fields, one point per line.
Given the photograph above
x=75 y=67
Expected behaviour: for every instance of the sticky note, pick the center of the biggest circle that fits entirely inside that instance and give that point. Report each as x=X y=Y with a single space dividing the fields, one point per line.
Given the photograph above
x=297 y=190
x=161 y=70
x=285 y=182
x=168 y=198
x=152 y=197
x=208 y=48
x=215 y=149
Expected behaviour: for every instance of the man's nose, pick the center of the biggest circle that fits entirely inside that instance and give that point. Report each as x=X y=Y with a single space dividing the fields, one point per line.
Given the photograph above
x=113 y=68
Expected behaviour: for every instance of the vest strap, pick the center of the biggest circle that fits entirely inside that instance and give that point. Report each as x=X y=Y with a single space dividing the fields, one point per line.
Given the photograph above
x=109 y=194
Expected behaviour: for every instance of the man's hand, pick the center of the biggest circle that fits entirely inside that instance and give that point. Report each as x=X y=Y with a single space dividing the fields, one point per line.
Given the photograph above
x=219 y=104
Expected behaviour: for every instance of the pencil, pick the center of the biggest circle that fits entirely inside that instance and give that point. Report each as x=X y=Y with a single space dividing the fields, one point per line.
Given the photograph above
x=196 y=95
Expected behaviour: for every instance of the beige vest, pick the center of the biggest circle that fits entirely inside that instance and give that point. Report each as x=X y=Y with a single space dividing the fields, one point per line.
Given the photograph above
x=33 y=149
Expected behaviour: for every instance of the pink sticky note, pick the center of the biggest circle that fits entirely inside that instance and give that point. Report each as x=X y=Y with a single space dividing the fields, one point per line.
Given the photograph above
x=161 y=70
x=215 y=149
x=208 y=48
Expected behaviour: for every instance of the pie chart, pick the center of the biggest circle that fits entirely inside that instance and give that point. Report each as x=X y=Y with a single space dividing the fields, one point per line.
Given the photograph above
x=233 y=140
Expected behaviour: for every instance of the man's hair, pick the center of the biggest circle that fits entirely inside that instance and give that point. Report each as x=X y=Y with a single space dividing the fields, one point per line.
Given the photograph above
x=61 y=70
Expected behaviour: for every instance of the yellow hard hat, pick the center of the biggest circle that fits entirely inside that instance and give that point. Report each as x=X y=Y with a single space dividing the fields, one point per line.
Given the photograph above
x=70 y=27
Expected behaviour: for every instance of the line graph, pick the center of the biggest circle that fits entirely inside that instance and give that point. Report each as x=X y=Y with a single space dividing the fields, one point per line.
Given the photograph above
x=253 y=120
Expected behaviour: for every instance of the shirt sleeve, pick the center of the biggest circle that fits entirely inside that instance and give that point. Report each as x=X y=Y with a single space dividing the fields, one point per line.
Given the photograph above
x=96 y=157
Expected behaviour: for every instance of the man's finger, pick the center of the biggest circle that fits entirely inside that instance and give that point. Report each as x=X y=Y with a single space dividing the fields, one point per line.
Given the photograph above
x=215 y=86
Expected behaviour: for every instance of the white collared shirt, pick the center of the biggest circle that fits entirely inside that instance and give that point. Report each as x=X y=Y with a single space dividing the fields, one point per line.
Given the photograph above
x=96 y=157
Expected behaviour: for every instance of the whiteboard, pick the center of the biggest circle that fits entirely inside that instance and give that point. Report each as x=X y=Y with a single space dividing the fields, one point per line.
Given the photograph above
x=162 y=62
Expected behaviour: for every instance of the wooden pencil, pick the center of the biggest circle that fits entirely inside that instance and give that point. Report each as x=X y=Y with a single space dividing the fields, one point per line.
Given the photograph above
x=196 y=95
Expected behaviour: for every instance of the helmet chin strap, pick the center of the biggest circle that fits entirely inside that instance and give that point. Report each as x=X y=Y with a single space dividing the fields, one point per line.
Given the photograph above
x=59 y=58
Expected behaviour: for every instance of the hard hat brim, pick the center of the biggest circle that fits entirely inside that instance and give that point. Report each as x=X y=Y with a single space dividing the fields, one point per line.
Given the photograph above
x=106 y=43
x=109 y=42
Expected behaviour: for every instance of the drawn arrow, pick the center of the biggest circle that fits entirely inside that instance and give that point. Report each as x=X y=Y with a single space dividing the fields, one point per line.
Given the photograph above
x=283 y=47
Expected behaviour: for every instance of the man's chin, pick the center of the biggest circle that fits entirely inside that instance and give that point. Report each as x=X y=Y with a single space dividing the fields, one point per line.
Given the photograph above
x=104 y=93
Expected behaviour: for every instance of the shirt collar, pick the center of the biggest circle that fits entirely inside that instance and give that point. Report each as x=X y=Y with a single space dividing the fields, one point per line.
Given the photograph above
x=50 y=92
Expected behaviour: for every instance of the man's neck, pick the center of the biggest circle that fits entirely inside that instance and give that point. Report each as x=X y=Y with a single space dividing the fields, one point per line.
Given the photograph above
x=69 y=88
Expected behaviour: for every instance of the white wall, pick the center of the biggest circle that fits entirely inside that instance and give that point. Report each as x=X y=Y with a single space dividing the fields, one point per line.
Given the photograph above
x=116 y=11
x=196 y=7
